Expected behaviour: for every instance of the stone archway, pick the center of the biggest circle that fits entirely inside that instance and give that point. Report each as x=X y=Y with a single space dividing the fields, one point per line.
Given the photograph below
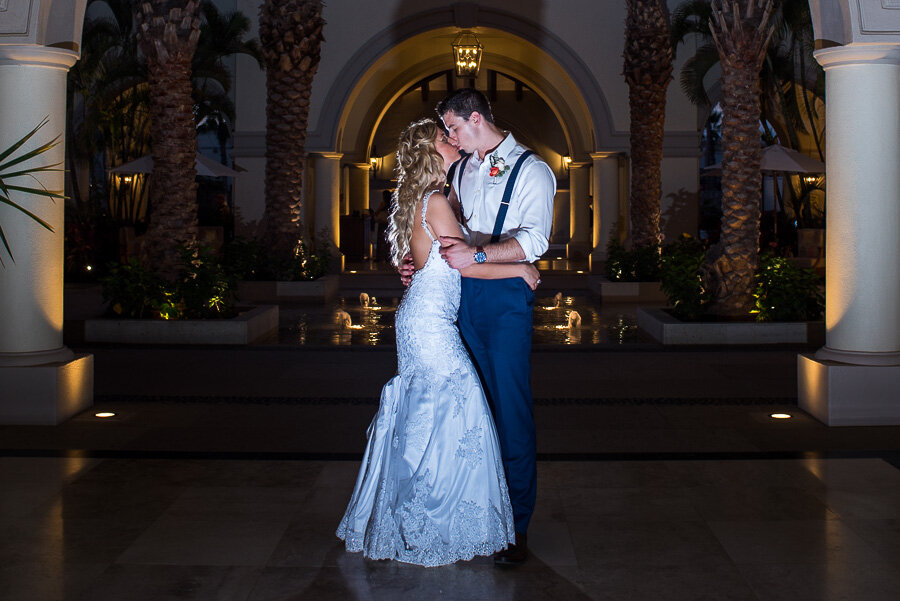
x=356 y=102
x=41 y=381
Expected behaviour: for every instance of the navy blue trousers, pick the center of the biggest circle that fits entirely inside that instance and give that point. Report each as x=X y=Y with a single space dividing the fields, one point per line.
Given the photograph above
x=495 y=320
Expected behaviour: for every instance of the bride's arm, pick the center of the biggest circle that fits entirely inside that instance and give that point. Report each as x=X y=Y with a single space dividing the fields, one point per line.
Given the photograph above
x=443 y=223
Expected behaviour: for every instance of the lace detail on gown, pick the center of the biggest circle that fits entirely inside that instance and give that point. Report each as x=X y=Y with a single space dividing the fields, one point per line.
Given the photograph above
x=431 y=489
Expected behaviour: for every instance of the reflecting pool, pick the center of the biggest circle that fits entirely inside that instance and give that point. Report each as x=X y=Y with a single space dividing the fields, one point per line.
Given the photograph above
x=369 y=321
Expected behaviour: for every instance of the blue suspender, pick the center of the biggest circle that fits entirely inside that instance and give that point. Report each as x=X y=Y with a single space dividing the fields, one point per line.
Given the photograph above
x=507 y=194
x=462 y=169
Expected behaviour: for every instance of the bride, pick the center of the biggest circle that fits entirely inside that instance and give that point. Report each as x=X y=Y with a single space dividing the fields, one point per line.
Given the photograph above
x=431 y=489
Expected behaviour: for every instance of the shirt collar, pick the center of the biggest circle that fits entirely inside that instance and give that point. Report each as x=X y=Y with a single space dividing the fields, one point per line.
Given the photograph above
x=503 y=149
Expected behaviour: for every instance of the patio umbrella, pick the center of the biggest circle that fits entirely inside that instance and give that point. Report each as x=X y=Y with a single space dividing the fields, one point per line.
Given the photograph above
x=205 y=166
x=778 y=159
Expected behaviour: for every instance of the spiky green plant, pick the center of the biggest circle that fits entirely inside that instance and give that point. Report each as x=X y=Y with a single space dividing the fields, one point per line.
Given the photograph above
x=11 y=168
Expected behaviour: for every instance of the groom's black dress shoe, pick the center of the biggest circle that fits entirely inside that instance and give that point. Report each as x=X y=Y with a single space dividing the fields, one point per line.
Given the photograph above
x=513 y=555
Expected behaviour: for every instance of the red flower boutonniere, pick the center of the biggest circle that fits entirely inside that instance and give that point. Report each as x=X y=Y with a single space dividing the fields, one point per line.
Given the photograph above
x=498 y=168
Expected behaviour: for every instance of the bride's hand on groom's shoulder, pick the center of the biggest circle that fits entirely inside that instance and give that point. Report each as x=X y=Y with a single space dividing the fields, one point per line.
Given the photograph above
x=407 y=269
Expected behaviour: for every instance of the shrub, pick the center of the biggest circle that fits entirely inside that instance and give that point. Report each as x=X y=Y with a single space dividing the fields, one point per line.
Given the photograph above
x=251 y=260
x=784 y=292
x=203 y=290
x=133 y=291
x=641 y=264
x=680 y=278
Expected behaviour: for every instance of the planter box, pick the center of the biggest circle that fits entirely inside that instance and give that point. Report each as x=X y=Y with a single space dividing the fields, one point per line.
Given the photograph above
x=247 y=327
x=323 y=289
x=667 y=329
x=628 y=292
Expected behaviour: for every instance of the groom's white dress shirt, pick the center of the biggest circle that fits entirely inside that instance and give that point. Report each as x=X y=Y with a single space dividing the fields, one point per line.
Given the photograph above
x=530 y=215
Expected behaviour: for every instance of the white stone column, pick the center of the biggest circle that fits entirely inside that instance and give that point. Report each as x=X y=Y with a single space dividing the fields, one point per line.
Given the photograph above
x=579 y=214
x=359 y=187
x=41 y=381
x=328 y=199
x=606 y=202
x=855 y=378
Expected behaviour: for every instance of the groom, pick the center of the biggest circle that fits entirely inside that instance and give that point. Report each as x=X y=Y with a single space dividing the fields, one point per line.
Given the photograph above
x=506 y=199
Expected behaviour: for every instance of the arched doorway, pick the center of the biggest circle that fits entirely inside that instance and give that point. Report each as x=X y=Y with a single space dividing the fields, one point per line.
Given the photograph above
x=543 y=94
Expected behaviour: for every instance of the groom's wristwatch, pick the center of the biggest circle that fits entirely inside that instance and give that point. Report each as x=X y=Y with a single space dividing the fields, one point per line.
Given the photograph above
x=480 y=255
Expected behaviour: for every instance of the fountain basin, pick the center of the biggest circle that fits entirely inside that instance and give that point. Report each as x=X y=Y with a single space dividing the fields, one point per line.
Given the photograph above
x=324 y=289
x=250 y=325
x=668 y=329
x=626 y=292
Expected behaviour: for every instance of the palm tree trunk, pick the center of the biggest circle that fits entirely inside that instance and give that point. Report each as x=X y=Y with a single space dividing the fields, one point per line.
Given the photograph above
x=741 y=31
x=648 y=71
x=168 y=31
x=291 y=35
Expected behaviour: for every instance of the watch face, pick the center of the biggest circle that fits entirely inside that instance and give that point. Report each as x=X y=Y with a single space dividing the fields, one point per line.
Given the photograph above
x=480 y=256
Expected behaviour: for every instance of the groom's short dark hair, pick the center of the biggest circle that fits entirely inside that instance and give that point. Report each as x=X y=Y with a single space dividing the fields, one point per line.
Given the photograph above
x=464 y=102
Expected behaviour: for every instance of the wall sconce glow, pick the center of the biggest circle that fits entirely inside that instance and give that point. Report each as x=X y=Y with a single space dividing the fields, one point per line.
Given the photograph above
x=105 y=414
x=88 y=267
x=373 y=160
x=127 y=179
x=810 y=179
x=580 y=271
x=352 y=271
x=780 y=416
x=566 y=161
x=467 y=52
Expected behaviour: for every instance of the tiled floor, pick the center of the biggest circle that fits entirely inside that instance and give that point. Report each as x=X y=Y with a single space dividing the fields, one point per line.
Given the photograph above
x=237 y=529
x=661 y=478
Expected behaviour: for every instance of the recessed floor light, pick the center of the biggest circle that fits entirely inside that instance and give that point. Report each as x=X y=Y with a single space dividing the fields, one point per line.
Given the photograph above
x=105 y=414
x=780 y=416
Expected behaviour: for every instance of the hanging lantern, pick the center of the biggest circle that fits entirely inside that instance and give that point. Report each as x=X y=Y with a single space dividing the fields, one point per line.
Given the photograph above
x=467 y=51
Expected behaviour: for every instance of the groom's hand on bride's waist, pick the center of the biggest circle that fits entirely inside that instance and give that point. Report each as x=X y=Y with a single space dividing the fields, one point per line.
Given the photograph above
x=407 y=269
x=456 y=252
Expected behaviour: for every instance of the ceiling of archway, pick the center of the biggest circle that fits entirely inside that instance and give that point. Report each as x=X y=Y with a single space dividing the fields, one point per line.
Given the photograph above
x=408 y=62
x=515 y=107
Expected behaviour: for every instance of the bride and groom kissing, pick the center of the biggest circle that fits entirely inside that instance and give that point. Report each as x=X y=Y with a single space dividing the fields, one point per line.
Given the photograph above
x=449 y=469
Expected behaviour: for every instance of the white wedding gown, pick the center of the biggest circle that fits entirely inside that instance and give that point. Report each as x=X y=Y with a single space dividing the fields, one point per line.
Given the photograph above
x=431 y=489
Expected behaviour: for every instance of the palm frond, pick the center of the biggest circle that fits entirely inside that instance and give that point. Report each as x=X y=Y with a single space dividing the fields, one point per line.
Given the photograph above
x=5 y=175
x=694 y=71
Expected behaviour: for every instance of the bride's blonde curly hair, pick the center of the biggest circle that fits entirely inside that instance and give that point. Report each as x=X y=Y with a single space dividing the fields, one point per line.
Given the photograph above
x=419 y=169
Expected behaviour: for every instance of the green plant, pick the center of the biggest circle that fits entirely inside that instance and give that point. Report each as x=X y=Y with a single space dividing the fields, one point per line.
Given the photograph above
x=680 y=278
x=641 y=264
x=311 y=262
x=135 y=292
x=251 y=260
x=785 y=292
x=205 y=289
x=248 y=259
x=6 y=174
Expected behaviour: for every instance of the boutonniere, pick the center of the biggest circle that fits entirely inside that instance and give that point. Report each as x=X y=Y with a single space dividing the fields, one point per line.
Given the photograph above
x=498 y=168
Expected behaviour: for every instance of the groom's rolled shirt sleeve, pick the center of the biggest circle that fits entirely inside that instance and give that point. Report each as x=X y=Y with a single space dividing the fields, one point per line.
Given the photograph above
x=535 y=207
